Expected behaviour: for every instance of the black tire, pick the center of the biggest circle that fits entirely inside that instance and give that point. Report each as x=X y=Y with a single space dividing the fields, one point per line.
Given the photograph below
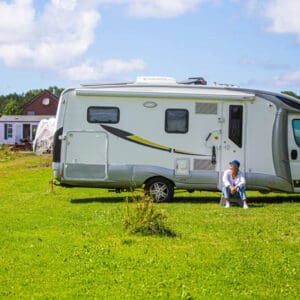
x=161 y=189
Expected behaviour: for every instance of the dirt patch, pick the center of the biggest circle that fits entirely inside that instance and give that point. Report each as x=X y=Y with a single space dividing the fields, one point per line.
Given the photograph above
x=38 y=166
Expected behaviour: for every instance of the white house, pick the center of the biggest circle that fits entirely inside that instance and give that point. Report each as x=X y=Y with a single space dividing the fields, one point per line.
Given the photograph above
x=18 y=129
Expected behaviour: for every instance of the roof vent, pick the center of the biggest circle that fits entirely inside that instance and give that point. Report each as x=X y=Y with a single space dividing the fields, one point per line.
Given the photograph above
x=195 y=80
x=227 y=85
x=155 y=80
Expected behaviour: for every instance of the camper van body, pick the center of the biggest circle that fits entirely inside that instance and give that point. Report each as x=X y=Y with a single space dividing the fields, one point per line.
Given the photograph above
x=165 y=135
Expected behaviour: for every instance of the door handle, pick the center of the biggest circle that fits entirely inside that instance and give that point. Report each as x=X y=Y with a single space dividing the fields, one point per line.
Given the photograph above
x=213 y=156
x=294 y=154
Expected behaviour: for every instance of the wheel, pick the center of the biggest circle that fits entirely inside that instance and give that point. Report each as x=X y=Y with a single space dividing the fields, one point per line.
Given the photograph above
x=161 y=189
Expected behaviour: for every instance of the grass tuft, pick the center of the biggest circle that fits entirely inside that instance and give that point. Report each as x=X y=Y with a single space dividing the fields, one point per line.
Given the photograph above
x=145 y=218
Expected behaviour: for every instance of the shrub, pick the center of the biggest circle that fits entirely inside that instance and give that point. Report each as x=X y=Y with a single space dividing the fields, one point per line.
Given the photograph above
x=143 y=217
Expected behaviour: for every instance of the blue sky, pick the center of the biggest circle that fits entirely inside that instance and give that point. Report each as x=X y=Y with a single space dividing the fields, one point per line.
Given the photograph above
x=249 y=43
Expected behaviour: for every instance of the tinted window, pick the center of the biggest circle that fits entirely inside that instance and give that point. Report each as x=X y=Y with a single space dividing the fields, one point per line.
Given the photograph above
x=296 y=129
x=176 y=120
x=235 y=132
x=98 y=114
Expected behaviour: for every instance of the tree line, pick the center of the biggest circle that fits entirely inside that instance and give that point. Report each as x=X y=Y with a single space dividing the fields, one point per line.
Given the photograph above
x=12 y=104
x=290 y=93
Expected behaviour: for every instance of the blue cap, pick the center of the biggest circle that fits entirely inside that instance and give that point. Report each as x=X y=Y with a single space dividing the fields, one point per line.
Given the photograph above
x=235 y=163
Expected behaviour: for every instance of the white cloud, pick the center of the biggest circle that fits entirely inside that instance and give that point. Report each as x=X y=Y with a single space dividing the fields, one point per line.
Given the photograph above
x=161 y=8
x=284 y=18
x=17 y=21
x=66 y=4
x=93 y=70
x=289 y=79
x=56 y=36
x=157 y=8
x=283 y=14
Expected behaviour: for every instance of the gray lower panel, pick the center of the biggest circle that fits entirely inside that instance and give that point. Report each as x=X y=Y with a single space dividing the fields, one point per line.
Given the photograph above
x=258 y=181
x=132 y=176
x=85 y=171
x=195 y=180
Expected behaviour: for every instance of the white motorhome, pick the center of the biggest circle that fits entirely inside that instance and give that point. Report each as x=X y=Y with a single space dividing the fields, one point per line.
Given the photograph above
x=162 y=135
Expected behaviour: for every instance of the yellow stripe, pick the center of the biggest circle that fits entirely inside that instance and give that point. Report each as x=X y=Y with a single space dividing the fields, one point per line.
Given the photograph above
x=146 y=142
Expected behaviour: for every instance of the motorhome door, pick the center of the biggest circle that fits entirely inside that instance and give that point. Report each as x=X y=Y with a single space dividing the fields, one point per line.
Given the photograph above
x=294 y=149
x=86 y=155
x=233 y=139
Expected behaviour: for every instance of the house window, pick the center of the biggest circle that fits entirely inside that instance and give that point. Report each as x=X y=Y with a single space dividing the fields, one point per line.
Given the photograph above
x=235 y=132
x=8 y=131
x=296 y=129
x=97 y=114
x=176 y=121
x=30 y=113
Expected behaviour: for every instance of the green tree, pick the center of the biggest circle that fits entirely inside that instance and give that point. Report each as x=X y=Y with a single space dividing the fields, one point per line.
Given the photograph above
x=11 y=107
x=290 y=93
x=55 y=90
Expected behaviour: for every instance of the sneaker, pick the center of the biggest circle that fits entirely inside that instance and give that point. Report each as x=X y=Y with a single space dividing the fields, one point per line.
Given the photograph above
x=227 y=205
x=245 y=206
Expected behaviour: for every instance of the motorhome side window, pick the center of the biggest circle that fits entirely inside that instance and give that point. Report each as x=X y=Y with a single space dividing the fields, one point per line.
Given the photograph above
x=176 y=121
x=97 y=114
x=235 y=132
x=296 y=129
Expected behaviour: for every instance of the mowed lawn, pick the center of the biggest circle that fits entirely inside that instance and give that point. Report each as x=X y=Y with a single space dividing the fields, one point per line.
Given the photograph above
x=71 y=243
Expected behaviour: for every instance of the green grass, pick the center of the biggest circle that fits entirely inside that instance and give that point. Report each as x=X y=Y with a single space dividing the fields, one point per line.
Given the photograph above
x=71 y=243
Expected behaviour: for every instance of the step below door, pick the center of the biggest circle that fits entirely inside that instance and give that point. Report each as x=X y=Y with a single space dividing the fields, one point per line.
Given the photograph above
x=86 y=156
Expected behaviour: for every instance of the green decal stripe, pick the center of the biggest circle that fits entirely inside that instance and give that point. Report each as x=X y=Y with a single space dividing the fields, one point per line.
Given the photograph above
x=148 y=143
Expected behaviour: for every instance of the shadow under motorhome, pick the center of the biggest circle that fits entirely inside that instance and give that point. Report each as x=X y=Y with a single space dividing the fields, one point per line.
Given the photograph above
x=162 y=135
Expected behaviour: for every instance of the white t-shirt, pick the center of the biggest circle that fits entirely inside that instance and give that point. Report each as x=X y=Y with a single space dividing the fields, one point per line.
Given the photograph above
x=238 y=181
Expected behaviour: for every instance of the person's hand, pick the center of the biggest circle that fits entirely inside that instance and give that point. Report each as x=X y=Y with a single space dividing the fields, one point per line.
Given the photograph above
x=233 y=189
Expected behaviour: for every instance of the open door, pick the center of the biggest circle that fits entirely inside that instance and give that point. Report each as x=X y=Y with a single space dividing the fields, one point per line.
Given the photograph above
x=294 y=149
x=233 y=137
x=86 y=155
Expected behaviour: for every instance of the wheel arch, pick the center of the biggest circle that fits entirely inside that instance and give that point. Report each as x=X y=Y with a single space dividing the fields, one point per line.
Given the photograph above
x=157 y=177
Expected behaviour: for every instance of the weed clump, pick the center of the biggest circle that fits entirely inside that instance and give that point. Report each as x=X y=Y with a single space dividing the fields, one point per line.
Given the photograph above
x=144 y=218
x=6 y=153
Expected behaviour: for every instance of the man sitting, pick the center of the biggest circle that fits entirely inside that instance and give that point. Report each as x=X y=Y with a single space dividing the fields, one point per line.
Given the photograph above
x=234 y=184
